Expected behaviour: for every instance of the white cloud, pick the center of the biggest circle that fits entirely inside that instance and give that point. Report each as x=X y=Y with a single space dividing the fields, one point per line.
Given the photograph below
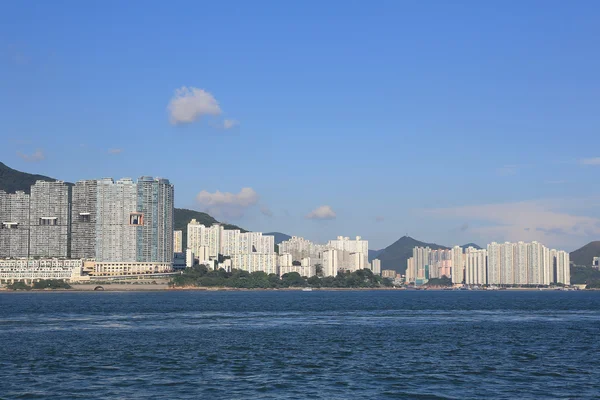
x=590 y=161
x=323 y=212
x=38 y=155
x=231 y=205
x=542 y=220
x=115 y=151
x=230 y=123
x=189 y=104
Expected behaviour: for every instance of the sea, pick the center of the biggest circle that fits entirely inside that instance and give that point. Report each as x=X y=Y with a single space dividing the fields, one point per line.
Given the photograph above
x=300 y=345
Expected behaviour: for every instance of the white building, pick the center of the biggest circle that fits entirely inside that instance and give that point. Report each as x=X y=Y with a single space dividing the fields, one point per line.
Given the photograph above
x=255 y=262
x=475 y=266
x=178 y=241
x=376 y=266
x=31 y=270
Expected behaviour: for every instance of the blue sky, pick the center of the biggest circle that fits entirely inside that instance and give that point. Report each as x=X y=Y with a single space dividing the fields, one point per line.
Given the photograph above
x=447 y=121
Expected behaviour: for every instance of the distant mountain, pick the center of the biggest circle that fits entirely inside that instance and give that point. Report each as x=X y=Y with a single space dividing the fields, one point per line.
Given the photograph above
x=373 y=254
x=279 y=237
x=395 y=255
x=12 y=180
x=584 y=255
x=466 y=246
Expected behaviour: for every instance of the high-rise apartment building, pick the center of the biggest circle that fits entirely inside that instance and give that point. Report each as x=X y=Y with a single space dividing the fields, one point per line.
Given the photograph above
x=50 y=219
x=117 y=221
x=83 y=219
x=155 y=205
x=475 y=266
x=177 y=241
x=376 y=266
x=14 y=224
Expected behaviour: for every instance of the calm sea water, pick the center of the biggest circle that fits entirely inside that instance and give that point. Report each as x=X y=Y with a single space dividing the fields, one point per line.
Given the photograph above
x=300 y=345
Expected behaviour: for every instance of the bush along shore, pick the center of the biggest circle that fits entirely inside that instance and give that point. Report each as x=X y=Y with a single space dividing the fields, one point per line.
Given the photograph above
x=200 y=276
x=43 y=284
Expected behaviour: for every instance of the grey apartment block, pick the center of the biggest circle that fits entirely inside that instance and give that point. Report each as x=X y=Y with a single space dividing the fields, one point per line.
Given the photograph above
x=155 y=203
x=117 y=221
x=49 y=219
x=14 y=224
x=83 y=219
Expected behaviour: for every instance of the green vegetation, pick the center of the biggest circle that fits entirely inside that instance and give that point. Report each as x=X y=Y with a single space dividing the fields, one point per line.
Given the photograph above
x=12 y=180
x=42 y=284
x=443 y=281
x=200 y=276
x=585 y=275
x=584 y=255
x=18 y=286
x=51 y=284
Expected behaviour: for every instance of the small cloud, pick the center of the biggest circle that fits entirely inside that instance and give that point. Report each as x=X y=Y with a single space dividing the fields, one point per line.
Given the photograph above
x=230 y=123
x=507 y=170
x=266 y=211
x=38 y=155
x=590 y=161
x=379 y=218
x=189 y=104
x=231 y=205
x=115 y=151
x=323 y=212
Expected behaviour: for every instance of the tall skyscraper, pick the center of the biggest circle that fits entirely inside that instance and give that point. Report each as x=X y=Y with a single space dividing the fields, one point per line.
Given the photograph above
x=155 y=202
x=50 y=219
x=14 y=224
x=83 y=219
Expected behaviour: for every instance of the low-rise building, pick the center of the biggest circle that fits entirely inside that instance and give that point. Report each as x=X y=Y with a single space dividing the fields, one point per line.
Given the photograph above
x=31 y=270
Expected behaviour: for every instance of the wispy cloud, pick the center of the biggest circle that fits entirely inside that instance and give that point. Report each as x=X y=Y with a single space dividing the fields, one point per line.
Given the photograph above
x=115 y=151
x=544 y=220
x=323 y=212
x=556 y=182
x=188 y=104
x=38 y=155
x=590 y=161
x=379 y=218
x=230 y=205
x=230 y=123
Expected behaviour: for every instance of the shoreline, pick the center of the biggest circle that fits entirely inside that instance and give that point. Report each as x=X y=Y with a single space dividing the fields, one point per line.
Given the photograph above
x=123 y=288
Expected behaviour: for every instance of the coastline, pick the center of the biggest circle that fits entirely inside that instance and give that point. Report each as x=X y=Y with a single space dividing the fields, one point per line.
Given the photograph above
x=115 y=288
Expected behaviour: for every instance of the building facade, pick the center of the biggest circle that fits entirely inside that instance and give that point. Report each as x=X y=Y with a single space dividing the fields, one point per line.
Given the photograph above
x=50 y=219
x=14 y=224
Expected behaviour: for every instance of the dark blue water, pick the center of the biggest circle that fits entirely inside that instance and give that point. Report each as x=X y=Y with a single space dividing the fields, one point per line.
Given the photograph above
x=300 y=345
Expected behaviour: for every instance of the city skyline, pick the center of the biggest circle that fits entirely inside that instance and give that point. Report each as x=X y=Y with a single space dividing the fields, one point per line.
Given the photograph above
x=387 y=131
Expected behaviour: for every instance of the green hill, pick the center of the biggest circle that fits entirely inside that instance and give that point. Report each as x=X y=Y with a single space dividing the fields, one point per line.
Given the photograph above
x=396 y=255
x=12 y=180
x=584 y=255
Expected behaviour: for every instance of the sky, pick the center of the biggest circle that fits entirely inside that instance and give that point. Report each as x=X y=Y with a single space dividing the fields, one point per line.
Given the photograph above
x=450 y=122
